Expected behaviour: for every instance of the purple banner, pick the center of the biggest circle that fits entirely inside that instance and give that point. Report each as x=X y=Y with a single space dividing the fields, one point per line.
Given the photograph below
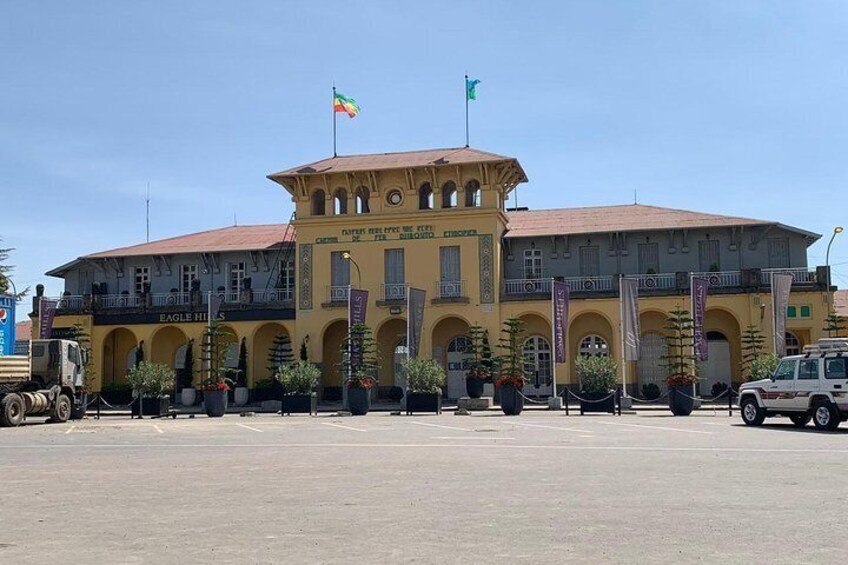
x=46 y=313
x=415 y=308
x=700 y=286
x=357 y=306
x=630 y=333
x=781 y=286
x=560 y=296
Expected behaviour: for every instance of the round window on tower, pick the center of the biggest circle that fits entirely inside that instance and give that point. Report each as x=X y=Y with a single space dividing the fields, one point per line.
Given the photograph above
x=394 y=197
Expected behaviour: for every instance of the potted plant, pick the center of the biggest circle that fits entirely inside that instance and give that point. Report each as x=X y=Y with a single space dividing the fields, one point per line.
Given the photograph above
x=478 y=373
x=425 y=380
x=360 y=362
x=511 y=377
x=216 y=384
x=153 y=382
x=680 y=362
x=650 y=391
x=597 y=383
x=185 y=377
x=298 y=383
x=242 y=394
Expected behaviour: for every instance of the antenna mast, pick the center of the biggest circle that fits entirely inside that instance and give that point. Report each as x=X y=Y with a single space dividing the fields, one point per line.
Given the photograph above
x=147 y=216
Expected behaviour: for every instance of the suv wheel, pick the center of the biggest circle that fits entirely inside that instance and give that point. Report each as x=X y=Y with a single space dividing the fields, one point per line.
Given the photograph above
x=752 y=414
x=825 y=416
x=800 y=420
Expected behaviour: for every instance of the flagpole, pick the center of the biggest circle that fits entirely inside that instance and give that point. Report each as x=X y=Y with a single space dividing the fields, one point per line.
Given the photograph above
x=466 y=110
x=333 y=105
x=692 y=310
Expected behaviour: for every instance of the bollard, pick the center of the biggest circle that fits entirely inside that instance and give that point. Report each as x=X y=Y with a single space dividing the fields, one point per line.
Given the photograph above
x=730 y=400
x=618 y=398
x=565 y=399
x=98 y=405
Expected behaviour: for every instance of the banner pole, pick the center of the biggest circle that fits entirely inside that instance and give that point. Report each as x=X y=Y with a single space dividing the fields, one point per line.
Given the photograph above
x=692 y=314
x=333 y=106
x=465 y=87
x=553 y=338
x=621 y=324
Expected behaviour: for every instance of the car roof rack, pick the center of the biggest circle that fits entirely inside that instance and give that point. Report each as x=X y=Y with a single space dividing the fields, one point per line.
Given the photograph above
x=828 y=345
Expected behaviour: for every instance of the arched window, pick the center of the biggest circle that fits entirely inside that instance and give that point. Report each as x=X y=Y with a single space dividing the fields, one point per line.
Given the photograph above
x=449 y=195
x=318 y=203
x=472 y=194
x=594 y=346
x=425 y=197
x=362 y=200
x=537 y=364
x=793 y=344
x=340 y=201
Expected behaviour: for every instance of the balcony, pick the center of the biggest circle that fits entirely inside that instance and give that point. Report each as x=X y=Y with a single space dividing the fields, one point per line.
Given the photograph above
x=272 y=297
x=664 y=283
x=393 y=292
x=450 y=291
x=338 y=294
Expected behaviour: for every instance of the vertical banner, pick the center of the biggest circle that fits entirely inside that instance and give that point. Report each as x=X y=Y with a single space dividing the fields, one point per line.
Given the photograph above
x=215 y=301
x=357 y=305
x=700 y=285
x=46 y=313
x=630 y=318
x=560 y=296
x=781 y=286
x=415 y=308
x=7 y=325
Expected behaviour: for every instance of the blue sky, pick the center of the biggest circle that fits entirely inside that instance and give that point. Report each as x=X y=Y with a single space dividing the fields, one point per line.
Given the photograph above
x=726 y=107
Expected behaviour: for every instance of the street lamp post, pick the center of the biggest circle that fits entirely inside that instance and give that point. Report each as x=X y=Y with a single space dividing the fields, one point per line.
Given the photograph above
x=836 y=231
x=348 y=257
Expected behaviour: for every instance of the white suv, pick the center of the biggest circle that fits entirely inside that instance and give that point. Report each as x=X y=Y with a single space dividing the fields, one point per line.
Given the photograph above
x=812 y=385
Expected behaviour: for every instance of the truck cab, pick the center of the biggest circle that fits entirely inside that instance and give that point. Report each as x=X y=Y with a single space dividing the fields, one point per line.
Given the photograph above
x=57 y=362
x=813 y=385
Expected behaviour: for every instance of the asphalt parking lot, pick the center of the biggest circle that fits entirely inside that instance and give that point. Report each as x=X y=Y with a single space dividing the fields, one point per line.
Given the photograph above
x=538 y=488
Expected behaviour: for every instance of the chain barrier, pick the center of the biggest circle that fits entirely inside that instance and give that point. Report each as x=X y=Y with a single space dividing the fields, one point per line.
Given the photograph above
x=657 y=399
x=598 y=401
x=530 y=400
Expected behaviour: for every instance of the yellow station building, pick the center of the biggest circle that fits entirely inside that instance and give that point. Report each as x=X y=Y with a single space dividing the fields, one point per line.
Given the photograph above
x=439 y=220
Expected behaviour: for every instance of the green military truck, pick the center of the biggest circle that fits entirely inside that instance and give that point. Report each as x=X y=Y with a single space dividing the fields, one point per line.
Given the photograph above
x=49 y=382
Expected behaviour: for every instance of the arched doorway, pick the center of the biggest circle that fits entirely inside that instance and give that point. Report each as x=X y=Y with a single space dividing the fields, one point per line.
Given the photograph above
x=793 y=344
x=119 y=347
x=649 y=368
x=400 y=354
x=390 y=336
x=717 y=367
x=590 y=333
x=331 y=357
x=450 y=346
x=165 y=348
x=537 y=366
x=271 y=344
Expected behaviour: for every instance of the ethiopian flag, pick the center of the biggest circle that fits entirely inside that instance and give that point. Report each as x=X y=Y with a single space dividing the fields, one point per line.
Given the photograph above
x=342 y=103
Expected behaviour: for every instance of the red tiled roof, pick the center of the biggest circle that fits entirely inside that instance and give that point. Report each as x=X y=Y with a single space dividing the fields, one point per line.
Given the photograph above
x=602 y=219
x=401 y=160
x=840 y=302
x=233 y=238
x=23 y=331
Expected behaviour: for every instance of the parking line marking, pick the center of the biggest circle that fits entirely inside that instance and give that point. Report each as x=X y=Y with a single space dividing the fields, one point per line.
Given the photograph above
x=245 y=426
x=472 y=438
x=548 y=427
x=344 y=427
x=440 y=426
x=657 y=428
x=157 y=428
x=72 y=428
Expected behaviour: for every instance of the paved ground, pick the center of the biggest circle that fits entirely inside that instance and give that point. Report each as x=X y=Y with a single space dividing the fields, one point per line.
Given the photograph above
x=485 y=488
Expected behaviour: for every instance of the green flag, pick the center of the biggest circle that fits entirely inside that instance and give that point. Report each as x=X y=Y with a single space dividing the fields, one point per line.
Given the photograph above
x=471 y=88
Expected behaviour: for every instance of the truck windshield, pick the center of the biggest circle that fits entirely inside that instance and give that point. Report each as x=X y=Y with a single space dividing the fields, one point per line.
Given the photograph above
x=835 y=369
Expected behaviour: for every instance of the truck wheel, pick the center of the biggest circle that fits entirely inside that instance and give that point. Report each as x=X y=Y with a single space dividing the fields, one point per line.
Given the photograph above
x=825 y=416
x=12 y=410
x=752 y=414
x=62 y=410
x=78 y=411
x=800 y=420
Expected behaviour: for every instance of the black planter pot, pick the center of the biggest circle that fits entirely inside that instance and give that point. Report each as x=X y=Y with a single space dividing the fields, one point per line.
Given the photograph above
x=424 y=402
x=474 y=387
x=512 y=403
x=298 y=404
x=606 y=405
x=215 y=402
x=680 y=400
x=152 y=407
x=358 y=401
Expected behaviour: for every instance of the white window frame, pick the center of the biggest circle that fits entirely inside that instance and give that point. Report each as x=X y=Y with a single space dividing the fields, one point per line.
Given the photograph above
x=141 y=276
x=237 y=268
x=594 y=345
x=187 y=274
x=532 y=263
